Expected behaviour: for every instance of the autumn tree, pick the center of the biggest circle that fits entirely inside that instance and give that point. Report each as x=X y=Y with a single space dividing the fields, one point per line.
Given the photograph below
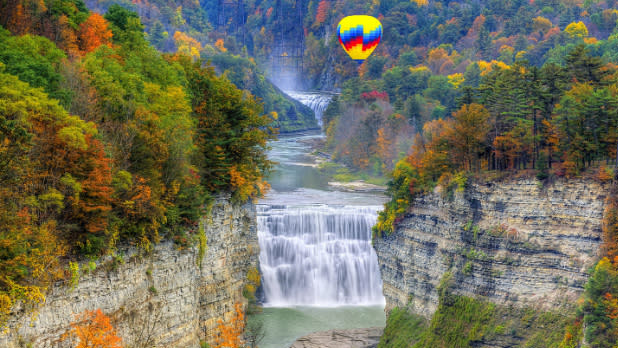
x=93 y=33
x=230 y=335
x=187 y=45
x=93 y=329
x=577 y=30
x=321 y=13
x=468 y=135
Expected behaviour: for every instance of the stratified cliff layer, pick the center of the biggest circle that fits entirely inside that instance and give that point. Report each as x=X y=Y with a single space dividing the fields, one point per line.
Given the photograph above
x=515 y=242
x=163 y=299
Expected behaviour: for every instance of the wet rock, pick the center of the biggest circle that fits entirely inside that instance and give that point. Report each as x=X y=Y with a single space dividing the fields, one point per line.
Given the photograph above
x=351 y=338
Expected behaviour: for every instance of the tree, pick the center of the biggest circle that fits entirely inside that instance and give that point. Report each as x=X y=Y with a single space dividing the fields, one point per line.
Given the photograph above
x=231 y=134
x=230 y=336
x=577 y=30
x=468 y=135
x=93 y=329
x=93 y=33
x=583 y=67
x=322 y=12
x=187 y=45
x=483 y=43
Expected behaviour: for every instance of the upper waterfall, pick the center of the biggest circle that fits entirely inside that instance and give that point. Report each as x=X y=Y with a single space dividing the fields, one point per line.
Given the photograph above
x=317 y=101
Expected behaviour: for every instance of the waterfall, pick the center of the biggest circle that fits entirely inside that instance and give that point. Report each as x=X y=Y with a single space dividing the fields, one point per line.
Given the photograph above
x=316 y=101
x=318 y=255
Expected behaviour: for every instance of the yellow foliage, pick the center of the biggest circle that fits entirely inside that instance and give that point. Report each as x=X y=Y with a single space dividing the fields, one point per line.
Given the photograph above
x=577 y=30
x=590 y=40
x=187 y=45
x=541 y=24
x=420 y=2
x=456 y=79
x=5 y=306
x=487 y=67
x=254 y=276
x=419 y=68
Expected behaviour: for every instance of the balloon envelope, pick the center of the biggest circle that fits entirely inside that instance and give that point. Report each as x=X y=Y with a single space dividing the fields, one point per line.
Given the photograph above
x=359 y=35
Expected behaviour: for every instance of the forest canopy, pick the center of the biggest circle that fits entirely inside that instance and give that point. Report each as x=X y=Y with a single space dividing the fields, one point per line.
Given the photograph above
x=106 y=142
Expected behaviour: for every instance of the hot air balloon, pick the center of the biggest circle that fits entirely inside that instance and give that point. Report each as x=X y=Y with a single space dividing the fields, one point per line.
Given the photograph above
x=359 y=35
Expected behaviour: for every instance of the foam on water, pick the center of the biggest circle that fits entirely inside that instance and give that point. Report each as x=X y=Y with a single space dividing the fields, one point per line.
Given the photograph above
x=318 y=255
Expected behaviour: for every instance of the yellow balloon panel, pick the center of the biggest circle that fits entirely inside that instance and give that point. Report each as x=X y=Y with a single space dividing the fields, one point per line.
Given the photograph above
x=359 y=35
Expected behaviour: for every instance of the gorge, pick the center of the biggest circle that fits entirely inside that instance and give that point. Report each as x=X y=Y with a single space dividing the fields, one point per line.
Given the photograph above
x=156 y=180
x=517 y=243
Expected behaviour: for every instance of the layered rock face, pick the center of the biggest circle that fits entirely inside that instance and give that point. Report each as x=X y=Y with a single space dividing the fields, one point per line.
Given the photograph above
x=515 y=242
x=163 y=299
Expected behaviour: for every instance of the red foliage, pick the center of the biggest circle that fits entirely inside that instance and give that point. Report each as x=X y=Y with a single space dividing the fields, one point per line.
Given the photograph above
x=322 y=12
x=374 y=95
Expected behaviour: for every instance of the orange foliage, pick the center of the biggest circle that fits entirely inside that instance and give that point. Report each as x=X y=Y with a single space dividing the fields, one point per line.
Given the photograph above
x=605 y=174
x=18 y=23
x=551 y=32
x=93 y=33
x=322 y=12
x=468 y=135
x=383 y=143
x=230 y=336
x=68 y=39
x=477 y=25
x=436 y=58
x=220 y=45
x=96 y=198
x=610 y=227
x=94 y=330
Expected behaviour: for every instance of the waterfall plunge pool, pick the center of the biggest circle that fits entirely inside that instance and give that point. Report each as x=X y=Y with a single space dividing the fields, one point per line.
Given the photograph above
x=283 y=325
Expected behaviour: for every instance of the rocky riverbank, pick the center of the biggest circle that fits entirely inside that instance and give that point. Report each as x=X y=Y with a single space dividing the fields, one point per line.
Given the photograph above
x=352 y=338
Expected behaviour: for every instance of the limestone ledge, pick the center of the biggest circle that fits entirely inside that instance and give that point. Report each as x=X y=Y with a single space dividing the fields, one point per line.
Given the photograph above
x=163 y=299
x=349 y=338
x=515 y=242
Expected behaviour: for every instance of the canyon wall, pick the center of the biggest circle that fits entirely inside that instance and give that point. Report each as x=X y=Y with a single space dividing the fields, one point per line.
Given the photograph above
x=516 y=242
x=162 y=299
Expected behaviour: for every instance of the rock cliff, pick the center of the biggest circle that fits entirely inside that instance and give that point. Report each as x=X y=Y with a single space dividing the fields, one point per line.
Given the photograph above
x=163 y=299
x=516 y=242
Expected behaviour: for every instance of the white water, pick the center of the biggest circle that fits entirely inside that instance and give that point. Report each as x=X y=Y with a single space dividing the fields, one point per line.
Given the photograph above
x=318 y=255
x=319 y=270
x=318 y=102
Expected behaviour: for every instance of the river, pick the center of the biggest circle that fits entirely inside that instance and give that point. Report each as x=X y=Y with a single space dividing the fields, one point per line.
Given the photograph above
x=319 y=270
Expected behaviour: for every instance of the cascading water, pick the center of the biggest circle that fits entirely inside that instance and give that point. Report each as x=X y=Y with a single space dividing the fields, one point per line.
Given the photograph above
x=319 y=270
x=318 y=102
x=318 y=255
